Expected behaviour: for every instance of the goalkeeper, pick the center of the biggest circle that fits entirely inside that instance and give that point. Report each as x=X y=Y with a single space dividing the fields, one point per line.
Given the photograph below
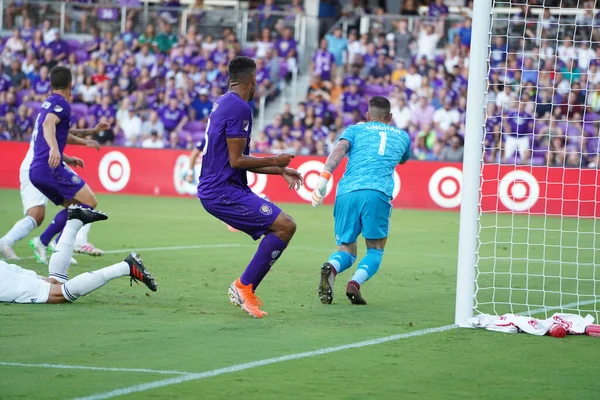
x=363 y=198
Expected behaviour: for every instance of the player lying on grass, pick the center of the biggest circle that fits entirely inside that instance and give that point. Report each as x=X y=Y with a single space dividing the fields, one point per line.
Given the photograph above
x=47 y=172
x=18 y=285
x=223 y=186
x=34 y=208
x=363 y=197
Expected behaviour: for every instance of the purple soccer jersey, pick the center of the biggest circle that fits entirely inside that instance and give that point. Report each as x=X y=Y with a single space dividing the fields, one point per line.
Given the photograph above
x=60 y=183
x=438 y=11
x=350 y=102
x=98 y=111
x=59 y=47
x=262 y=75
x=284 y=47
x=24 y=123
x=354 y=80
x=323 y=61
x=27 y=33
x=521 y=123
x=5 y=82
x=41 y=86
x=223 y=190
x=171 y=118
x=219 y=57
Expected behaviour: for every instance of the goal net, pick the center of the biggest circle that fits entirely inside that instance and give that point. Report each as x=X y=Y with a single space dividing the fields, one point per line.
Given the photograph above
x=537 y=235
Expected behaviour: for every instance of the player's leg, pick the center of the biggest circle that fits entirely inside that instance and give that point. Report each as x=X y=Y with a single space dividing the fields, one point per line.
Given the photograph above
x=375 y=220
x=86 y=283
x=84 y=246
x=347 y=227
x=34 y=208
x=78 y=215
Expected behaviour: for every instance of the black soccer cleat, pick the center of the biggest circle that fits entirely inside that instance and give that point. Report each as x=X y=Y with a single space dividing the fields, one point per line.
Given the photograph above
x=353 y=293
x=326 y=284
x=85 y=215
x=139 y=273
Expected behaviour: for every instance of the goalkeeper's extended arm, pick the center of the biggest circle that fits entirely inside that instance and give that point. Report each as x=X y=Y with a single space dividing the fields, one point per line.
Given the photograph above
x=334 y=159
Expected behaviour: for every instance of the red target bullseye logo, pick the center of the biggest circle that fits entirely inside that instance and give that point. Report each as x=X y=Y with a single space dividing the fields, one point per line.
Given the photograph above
x=445 y=187
x=257 y=182
x=114 y=171
x=310 y=171
x=518 y=191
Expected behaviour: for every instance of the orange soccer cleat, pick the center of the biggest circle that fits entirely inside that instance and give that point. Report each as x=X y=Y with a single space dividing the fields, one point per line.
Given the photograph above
x=243 y=296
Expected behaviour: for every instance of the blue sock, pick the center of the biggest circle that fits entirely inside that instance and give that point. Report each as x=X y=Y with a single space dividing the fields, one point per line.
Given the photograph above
x=341 y=261
x=368 y=266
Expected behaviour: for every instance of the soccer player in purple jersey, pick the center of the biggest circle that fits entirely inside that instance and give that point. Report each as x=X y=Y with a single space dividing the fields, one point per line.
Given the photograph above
x=223 y=187
x=47 y=172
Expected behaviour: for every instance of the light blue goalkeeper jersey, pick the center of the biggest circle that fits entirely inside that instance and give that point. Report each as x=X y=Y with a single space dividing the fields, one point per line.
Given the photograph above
x=375 y=150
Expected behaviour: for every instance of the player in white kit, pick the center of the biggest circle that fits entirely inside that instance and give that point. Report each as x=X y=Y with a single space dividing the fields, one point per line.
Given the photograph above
x=18 y=285
x=34 y=206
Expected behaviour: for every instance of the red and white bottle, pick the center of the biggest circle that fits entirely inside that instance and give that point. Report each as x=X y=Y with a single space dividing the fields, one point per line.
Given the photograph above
x=592 y=330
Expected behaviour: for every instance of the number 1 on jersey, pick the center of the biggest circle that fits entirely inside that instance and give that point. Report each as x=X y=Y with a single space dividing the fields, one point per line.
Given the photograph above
x=382 y=142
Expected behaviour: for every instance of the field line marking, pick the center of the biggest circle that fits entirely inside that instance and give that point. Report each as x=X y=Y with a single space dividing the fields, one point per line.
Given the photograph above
x=83 y=367
x=260 y=363
x=235 y=245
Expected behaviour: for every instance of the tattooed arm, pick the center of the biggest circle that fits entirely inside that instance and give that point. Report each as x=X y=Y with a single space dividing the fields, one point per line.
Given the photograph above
x=337 y=155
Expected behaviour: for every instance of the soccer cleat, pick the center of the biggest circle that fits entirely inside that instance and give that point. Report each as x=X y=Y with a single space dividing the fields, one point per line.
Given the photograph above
x=138 y=272
x=52 y=249
x=243 y=296
x=85 y=215
x=326 y=284
x=353 y=293
x=39 y=250
x=7 y=252
x=88 y=249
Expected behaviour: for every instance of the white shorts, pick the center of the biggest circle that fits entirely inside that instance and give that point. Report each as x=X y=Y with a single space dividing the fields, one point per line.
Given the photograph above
x=518 y=145
x=30 y=195
x=18 y=285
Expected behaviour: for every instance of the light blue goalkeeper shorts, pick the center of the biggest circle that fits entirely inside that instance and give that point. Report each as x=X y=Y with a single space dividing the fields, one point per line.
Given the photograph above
x=365 y=212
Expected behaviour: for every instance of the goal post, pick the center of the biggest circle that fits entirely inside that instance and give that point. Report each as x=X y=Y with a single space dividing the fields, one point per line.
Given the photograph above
x=529 y=239
x=472 y=160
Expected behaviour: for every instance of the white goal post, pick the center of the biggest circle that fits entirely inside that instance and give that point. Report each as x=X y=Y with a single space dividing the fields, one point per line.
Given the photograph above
x=529 y=229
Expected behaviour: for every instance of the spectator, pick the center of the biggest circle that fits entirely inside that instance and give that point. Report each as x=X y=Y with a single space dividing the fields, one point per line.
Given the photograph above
x=165 y=39
x=438 y=9
x=24 y=122
x=404 y=41
x=173 y=116
x=49 y=61
x=202 y=106
x=380 y=71
x=356 y=47
x=422 y=115
x=337 y=45
x=400 y=112
x=40 y=86
x=323 y=63
x=18 y=79
x=286 y=48
x=413 y=79
x=9 y=129
x=566 y=52
x=287 y=118
x=59 y=48
x=265 y=43
x=446 y=116
x=351 y=100
x=154 y=142
x=429 y=37
x=153 y=124
x=454 y=152
x=105 y=109
x=15 y=44
x=131 y=126
x=49 y=32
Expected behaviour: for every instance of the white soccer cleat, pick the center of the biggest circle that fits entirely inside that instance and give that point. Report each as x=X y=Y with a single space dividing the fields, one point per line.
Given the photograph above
x=7 y=252
x=88 y=249
x=39 y=250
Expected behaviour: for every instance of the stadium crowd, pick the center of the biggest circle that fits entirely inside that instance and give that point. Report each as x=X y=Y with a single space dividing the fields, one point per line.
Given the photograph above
x=157 y=87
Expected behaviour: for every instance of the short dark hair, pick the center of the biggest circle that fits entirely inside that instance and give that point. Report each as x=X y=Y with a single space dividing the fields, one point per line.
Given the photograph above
x=241 y=68
x=379 y=107
x=60 y=78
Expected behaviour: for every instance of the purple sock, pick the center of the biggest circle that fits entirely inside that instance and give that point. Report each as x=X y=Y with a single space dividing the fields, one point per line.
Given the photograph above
x=269 y=250
x=56 y=226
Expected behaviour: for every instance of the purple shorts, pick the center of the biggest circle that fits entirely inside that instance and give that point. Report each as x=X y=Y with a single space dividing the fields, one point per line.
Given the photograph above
x=244 y=211
x=58 y=184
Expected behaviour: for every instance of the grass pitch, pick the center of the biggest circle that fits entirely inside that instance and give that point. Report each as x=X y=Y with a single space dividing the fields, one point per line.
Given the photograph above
x=188 y=325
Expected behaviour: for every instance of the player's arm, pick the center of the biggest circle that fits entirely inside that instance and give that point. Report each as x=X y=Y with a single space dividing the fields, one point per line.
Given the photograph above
x=49 y=126
x=292 y=177
x=335 y=158
x=73 y=161
x=239 y=160
x=405 y=157
x=101 y=126
x=71 y=139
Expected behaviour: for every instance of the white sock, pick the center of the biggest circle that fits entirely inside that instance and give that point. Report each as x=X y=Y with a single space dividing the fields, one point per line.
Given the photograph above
x=20 y=230
x=360 y=276
x=61 y=258
x=90 y=281
x=82 y=235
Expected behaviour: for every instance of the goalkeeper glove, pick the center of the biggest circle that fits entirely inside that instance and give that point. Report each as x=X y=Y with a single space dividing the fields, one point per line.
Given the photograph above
x=319 y=193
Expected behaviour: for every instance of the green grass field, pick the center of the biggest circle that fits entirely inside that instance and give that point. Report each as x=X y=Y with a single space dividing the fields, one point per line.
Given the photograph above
x=189 y=326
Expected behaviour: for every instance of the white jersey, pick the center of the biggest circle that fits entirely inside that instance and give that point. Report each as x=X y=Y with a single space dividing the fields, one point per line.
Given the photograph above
x=26 y=163
x=30 y=195
x=18 y=285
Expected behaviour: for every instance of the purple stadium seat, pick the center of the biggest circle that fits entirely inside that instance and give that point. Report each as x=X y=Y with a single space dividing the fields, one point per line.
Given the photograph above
x=82 y=56
x=74 y=44
x=589 y=129
x=373 y=90
x=79 y=109
x=150 y=99
x=20 y=95
x=197 y=136
x=119 y=139
x=332 y=107
x=248 y=52
x=183 y=135
x=348 y=120
x=195 y=127
x=34 y=105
